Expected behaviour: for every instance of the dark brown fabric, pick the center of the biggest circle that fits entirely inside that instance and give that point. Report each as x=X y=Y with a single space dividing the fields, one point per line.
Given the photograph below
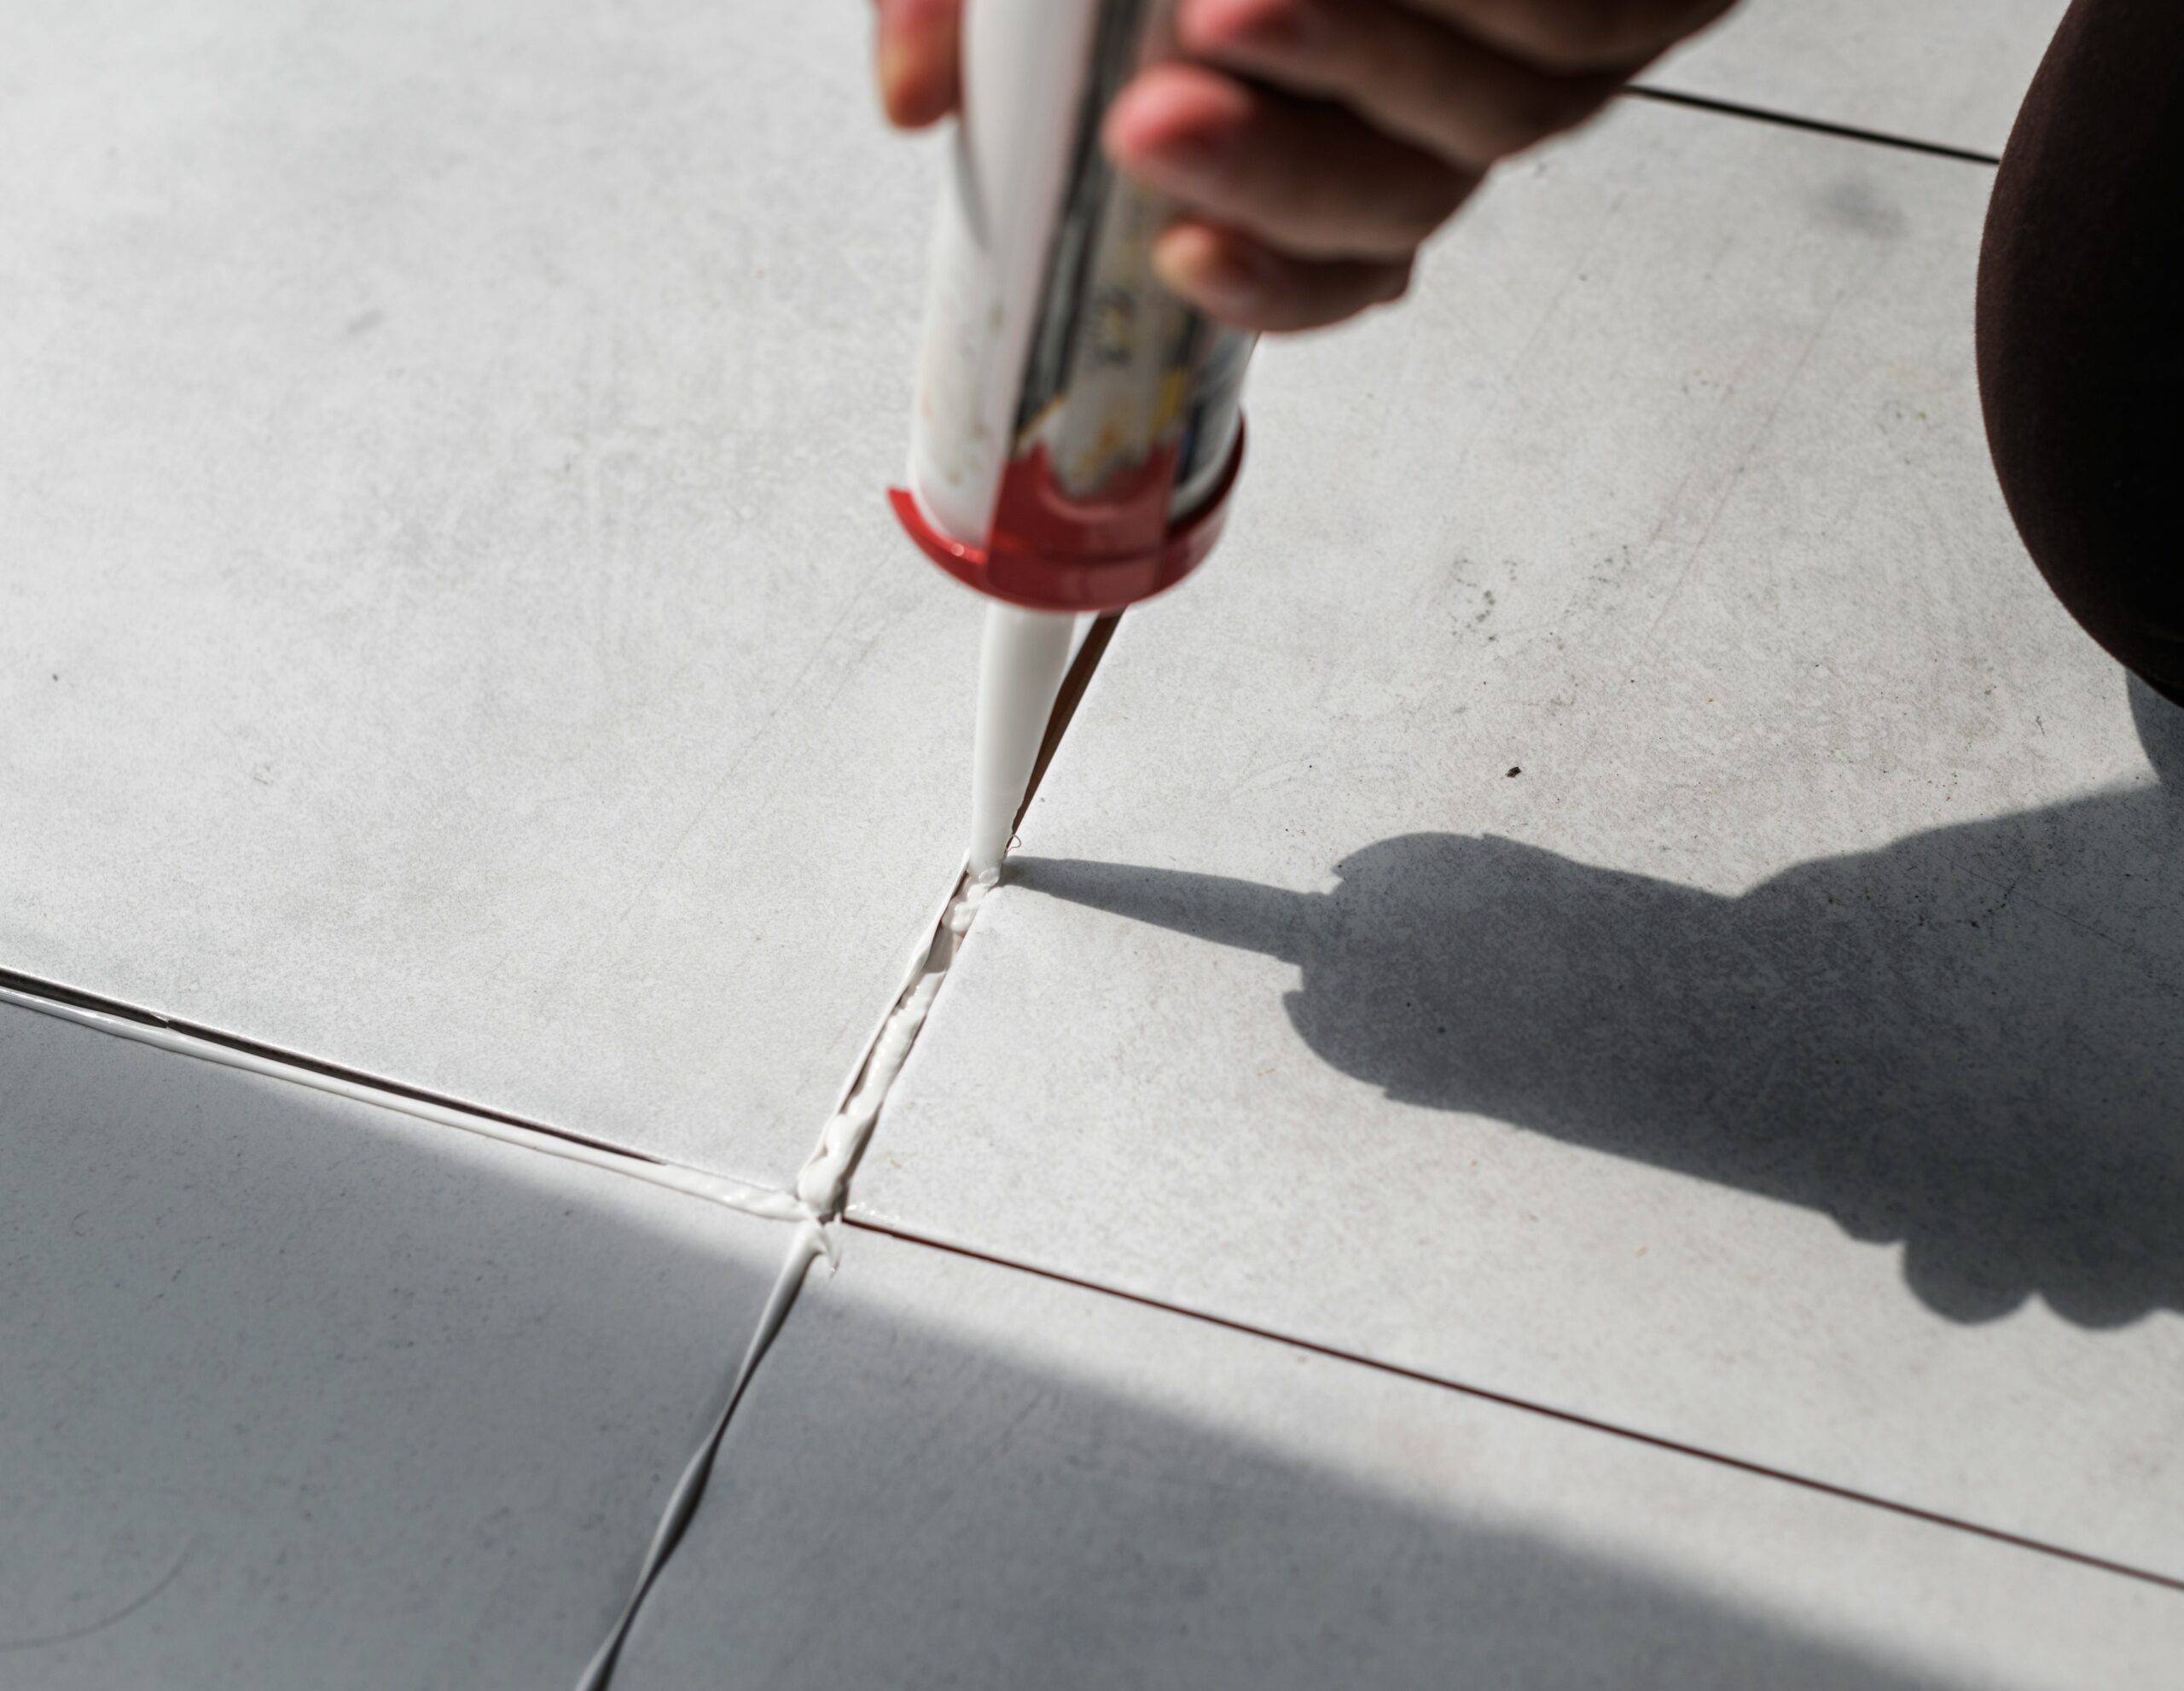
x=2081 y=324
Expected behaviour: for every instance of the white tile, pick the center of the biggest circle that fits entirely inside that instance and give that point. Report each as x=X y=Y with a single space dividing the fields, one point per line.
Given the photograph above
x=449 y=623
x=1945 y=70
x=1786 y=1061
x=294 y=1391
x=950 y=1473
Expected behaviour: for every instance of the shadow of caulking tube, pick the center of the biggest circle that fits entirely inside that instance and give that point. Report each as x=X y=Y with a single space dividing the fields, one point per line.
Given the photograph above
x=1917 y=1041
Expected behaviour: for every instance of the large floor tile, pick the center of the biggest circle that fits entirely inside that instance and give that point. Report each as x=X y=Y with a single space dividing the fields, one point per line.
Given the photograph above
x=950 y=1473
x=294 y=1391
x=449 y=622
x=1946 y=71
x=1619 y=886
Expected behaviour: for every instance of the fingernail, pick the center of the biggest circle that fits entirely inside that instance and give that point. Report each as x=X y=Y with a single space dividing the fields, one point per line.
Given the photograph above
x=1215 y=272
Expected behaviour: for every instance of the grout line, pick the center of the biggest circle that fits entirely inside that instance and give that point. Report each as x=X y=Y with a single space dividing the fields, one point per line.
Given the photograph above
x=1759 y=1470
x=689 y=1490
x=1702 y=102
x=208 y=1045
x=822 y=1183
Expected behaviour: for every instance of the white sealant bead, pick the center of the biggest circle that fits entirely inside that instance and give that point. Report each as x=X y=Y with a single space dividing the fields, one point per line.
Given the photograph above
x=965 y=909
x=821 y=1182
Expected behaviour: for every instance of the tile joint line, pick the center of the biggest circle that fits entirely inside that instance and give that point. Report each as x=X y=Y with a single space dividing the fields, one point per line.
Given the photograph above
x=822 y=1191
x=821 y=1185
x=206 y=1044
x=1418 y=1376
x=1902 y=143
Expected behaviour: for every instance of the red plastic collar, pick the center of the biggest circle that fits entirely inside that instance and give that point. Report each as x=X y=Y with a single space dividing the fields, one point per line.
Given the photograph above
x=1047 y=555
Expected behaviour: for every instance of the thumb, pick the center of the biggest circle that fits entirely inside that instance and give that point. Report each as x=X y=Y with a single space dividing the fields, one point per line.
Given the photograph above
x=914 y=56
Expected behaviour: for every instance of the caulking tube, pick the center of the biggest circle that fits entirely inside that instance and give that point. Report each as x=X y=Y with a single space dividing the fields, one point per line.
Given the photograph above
x=1077 y=430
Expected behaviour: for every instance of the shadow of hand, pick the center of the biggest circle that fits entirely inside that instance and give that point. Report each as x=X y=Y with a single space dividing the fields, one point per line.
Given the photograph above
x=1917 y=1041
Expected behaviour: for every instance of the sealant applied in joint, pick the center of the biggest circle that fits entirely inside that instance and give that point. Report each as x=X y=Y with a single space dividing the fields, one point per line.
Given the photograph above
x=822 y=1183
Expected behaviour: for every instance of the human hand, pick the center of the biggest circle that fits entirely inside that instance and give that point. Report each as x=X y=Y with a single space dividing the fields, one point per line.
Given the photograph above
x=1312 y=146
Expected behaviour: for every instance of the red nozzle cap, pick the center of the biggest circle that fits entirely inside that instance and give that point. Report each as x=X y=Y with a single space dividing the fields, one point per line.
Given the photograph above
x=1049 y=553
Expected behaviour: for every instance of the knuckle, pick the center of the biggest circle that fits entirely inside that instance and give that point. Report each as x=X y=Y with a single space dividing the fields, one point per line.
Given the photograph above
x=1325 y=309
x=1493 y=134
x=1582 y=35
x=1344 y=191
x=1541 y=109
x=1280 y=20
x=1432 y=200
x=1317 y=314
